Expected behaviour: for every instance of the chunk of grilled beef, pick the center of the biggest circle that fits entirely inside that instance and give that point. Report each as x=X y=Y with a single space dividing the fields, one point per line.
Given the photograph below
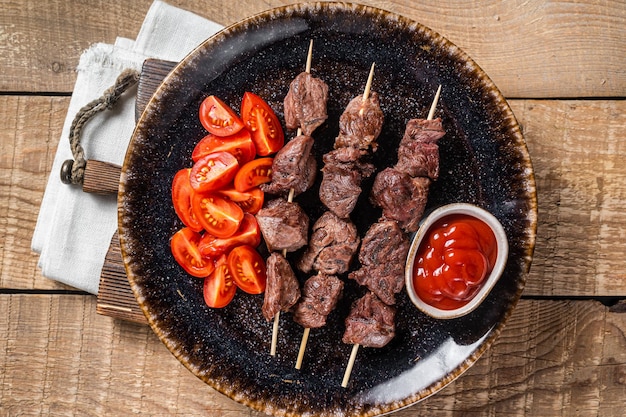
x=418 y=153
x=305 y=103
x=423 y=130
x=370 y=322
x=343 y=173
x=333 y=244
x=360 y=123
x=419 y=159
x=294 y=167
x=401 y=197
x=319 y=297
x=284 y=225
x=282 y=290
x=382 y=255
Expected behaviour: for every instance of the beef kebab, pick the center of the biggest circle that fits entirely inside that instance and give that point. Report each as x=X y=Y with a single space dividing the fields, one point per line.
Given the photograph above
x=401 y=192
x=344 y=167
x=283 y=223
x=335 y=238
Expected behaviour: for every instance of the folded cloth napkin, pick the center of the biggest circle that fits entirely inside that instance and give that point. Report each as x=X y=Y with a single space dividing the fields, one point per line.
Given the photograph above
x=74 y=228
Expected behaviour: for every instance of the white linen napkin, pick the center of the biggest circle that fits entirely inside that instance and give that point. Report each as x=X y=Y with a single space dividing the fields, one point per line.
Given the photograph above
x=74 y=228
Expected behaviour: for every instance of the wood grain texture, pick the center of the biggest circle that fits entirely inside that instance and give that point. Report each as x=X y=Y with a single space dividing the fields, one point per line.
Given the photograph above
x=552 y=359
x=578 y=149
x=531 y=49
x=29 y=136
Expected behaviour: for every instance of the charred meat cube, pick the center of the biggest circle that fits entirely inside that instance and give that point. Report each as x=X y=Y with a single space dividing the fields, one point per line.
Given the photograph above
x=418 y=153
x=419 y=159
x=284 y=225
x=343 y=173
x=305 y=103
x=319 y=296
x=370 y=323
x=282 y=290
x=361 y=123
x=332 y=245
x=294 y=167
x=382 y=255
x=423 y=130
x=401 y=197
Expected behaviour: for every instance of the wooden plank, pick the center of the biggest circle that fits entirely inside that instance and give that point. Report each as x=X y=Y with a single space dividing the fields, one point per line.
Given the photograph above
x=531 y=49
x=552 y=359
x=115 y=298
x=577 y=148
x=29 y=136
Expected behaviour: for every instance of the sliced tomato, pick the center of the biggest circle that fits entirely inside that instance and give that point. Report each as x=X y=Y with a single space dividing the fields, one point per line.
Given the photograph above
x=248 y=233
x=217 y=215
x=184 y=246
x=254 y=173
x=261 y=121
x=247 y=269
x=218 y=118
x=239 y=145
x=250 y=201
x=219 y=288
x=213 y=171
x=181 y=198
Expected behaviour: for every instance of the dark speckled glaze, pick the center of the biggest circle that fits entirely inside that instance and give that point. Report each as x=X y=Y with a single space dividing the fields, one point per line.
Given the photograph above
x=484 y=161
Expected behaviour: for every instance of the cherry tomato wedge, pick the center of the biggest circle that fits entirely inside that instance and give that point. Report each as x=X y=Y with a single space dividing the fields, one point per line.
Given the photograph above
x=184 y=246
x=218 y=118
x=254 y=173
x=217 y=215
x=247 y=269
x=239 y=145
x=213 y=171
x=250 y=201
x=248 y=233
x=261 y=121
x=181 y=198
x=219 y=289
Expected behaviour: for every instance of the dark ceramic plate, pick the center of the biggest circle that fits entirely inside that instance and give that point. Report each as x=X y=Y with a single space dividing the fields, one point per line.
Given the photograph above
x=484 y=161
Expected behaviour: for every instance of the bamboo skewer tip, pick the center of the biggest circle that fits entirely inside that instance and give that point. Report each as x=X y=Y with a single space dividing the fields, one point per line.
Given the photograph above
x=433 y=106
x=309 y=57
x=368 y=85
x=368 y=88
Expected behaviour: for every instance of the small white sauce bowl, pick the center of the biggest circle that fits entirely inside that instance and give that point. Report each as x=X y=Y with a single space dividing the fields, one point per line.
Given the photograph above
x=502 y=255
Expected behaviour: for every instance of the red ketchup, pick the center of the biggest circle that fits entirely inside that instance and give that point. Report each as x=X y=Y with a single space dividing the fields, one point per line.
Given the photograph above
x=454 y=259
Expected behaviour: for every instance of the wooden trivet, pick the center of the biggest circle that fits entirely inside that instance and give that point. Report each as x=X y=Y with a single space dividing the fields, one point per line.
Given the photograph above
x=115 y=298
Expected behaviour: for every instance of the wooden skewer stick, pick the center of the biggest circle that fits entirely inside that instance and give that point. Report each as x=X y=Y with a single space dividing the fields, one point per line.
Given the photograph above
x=368 y=87
x=355 y=347
x=346 y=375
x=433 y=106
x=289 y=199
x=305 y=338
x=305 y=335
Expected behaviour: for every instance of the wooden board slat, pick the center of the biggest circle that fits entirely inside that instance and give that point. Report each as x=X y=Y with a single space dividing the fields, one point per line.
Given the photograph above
x=579 y=152
x=531 y=49
x=115 y=297
x=577 y=147
x=153 y=71
x=554 y=358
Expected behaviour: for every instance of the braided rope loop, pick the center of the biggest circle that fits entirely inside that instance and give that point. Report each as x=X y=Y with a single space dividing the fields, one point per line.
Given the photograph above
x=73 y=171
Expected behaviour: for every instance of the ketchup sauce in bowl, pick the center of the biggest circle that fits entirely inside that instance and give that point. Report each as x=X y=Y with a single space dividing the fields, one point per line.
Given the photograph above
x=455 y=259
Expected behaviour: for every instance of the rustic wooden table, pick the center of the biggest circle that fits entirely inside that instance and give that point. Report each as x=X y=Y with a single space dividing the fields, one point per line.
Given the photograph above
x=561 y=65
